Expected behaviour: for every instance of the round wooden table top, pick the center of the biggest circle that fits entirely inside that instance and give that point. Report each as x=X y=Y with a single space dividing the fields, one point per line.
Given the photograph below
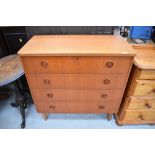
x=10 y=69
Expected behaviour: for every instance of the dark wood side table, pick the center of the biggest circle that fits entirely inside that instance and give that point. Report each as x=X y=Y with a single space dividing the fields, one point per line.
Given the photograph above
x=10 y=72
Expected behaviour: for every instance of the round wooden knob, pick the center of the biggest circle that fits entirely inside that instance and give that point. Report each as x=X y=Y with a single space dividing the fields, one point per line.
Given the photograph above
x=106 y=81
x=104 y=95
x=101 y=107
x=153 y=90
x=109 y=64
x=46 y=81
x=49 y=95
x=44 y=64
x=52 y=107
x=148 y=105
x=141 y=117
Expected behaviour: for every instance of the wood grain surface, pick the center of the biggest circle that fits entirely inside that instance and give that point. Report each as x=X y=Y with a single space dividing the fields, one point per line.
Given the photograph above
x=77 y=73
x=81 y=65
x=76 y=81
x=77 y=45
x=138 y=104
x=146 y=75
x=140 y=115
x=144 y=87
x=76 y=95
x=142 y=103
x=76 y=107
x=145 y=58
x=10 y=69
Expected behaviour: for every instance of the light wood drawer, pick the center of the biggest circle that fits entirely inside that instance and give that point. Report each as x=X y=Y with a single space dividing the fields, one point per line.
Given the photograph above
x=76 y=95
x=77 y=81
x=76 y=64
x=75 y=107
x=139 y=115
x=144 y=87
x=141 y=103
x=147 y=75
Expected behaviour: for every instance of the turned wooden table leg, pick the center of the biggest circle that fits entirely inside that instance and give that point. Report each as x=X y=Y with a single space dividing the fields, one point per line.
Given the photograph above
x=109 y=117
x=45 y=116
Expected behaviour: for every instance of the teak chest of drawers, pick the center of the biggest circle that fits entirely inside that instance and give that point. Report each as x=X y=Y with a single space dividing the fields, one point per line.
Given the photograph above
x=77 y=73
x=138 y=105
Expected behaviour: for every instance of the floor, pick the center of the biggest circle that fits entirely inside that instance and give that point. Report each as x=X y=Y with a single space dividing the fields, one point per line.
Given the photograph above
x=10 y=119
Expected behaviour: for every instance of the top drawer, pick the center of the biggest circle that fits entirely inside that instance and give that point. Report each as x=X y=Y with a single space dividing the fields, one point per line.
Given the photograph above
x=74 y=64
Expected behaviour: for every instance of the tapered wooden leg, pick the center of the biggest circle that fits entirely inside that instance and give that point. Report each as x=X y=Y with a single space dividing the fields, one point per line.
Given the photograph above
x=118 y=122
x=109 y=117
x=45 y=116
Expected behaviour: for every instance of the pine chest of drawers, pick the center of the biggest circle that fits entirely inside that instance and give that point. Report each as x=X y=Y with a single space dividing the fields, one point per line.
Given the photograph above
x=138 y=105
x=77 y=73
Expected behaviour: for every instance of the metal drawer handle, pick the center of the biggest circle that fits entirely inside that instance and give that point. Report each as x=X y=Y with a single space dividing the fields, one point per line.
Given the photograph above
x=101 y=107
x=141 y=117
x=52 y=107
x=104 y=95
x=106 y=81
x=109 y=64
x=49 y=95
x=148 y=105
x=46 y=81
x=44 y=64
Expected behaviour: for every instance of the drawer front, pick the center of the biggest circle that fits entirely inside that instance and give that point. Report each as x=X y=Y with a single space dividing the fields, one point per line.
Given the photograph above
x=76 y=64
x=144 y=87
x=147 y=75
x=75 y=107
x=77 y=81
x=76 y=95
x=139 y=115
x=142 y=103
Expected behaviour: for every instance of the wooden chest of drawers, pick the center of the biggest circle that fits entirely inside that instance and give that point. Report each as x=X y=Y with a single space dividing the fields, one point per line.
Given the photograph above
x=77 y=74
x=138 y=105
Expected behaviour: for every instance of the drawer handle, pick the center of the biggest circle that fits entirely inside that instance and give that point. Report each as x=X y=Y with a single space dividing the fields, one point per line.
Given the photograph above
x=101 y=107
x=47 y=81
x=148 y=105
x=49 y=95
x=106 y=81
x=109 y=64
x=141 y=117
x=52 y=107
x=153 y=90
x=44 y=64
x=104 y=95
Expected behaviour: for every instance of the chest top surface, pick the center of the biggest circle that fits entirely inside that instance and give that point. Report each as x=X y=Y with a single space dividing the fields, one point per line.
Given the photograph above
x=77 y=45
x=145 y=56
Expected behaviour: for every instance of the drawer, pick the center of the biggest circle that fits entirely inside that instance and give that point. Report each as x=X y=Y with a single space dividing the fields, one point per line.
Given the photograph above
x=76 y=95
x=144 y=87
x=147 y=75
x=76 y=64
x=142 y=103
x=74 y=107
x=132 y=115
x=77 y=81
